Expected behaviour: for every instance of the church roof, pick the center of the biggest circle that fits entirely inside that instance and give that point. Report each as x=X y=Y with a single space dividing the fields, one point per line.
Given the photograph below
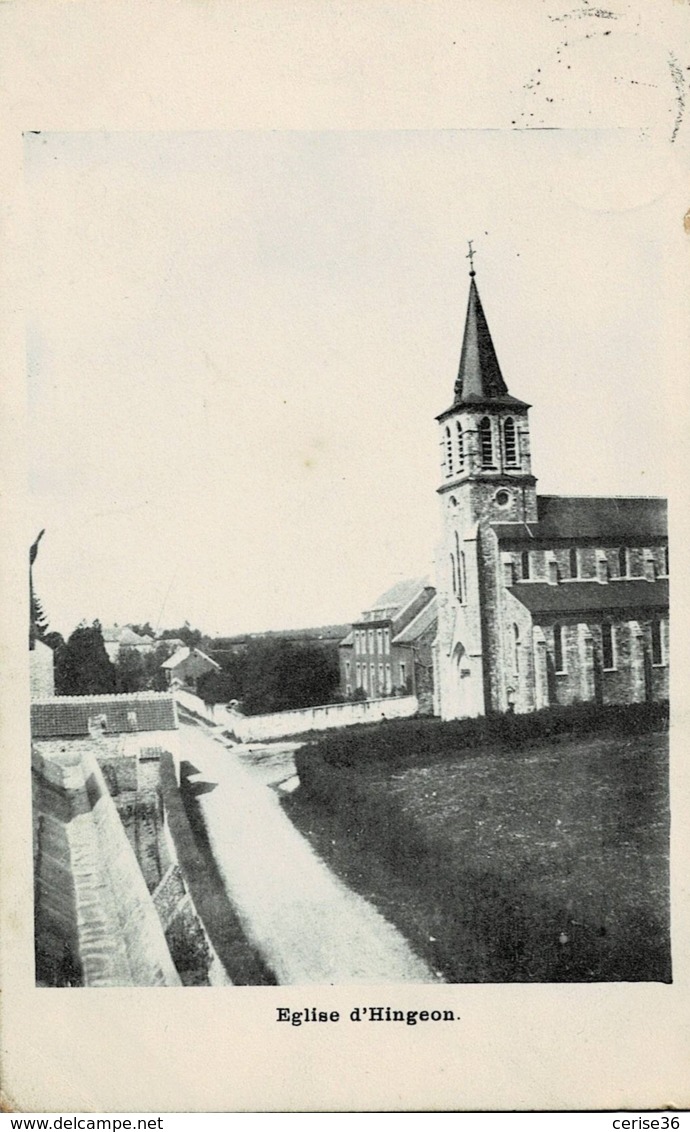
x=592 y=597
x=611 y=519
x=479 y=379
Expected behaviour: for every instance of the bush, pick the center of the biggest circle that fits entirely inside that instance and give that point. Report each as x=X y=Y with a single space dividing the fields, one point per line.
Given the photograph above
x=420 y=739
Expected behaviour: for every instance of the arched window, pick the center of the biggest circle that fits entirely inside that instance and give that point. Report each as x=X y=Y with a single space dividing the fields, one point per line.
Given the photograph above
x=573 y=563
x=608 y=655
x=558 y=648
x=516 y=649
x=449 y=452
x=510 y=443
x=623 y=562
x=460 y=446
x=462 y=579
x=460 y=586
x=524 y=562
x=454 y=573
x=486 y=444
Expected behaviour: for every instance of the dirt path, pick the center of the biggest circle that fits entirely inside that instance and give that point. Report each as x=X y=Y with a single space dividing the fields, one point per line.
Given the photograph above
x=307 y=925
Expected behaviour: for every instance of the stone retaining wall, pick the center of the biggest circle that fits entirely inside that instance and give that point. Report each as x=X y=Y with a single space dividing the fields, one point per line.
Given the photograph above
x=280 y=725
x=96 y=924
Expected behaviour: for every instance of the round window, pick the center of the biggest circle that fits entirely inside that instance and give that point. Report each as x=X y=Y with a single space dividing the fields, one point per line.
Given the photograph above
x=502 y=497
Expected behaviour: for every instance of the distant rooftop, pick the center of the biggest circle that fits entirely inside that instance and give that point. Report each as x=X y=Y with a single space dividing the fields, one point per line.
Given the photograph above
x=183 y=654
x=425 y=619
x=395 y=598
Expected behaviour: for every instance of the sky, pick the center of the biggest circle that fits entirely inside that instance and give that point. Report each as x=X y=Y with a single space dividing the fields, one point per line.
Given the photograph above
x=237 y=344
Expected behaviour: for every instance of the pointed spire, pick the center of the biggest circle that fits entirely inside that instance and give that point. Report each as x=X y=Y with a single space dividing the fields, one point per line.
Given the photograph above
x=479 y=376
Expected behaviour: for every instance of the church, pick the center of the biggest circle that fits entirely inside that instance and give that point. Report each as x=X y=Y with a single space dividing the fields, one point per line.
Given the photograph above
x=541 y=600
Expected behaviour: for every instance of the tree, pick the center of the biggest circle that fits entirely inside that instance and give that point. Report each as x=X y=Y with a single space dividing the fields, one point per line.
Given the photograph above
x=38 y=622
x=53 y=640
x=144 y=630
x=219 y=687
x=191 y=637
x=38 y=618
x=281 y=675
x=130 y=673
x=154 y=675
x=82 y=666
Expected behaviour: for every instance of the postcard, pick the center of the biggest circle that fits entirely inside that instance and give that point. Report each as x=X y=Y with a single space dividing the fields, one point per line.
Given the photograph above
x=344 y=446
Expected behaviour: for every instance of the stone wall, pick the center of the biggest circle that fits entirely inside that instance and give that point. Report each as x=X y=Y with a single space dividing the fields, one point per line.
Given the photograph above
x=95 y=921
x=279 y=725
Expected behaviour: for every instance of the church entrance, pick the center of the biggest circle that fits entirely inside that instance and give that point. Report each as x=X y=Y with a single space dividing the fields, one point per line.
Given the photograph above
x=462 y=698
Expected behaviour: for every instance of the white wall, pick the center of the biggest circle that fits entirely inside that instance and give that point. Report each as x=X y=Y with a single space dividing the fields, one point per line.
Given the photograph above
x=253 y=728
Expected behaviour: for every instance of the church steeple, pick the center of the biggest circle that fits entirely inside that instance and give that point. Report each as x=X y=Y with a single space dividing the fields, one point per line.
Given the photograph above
x=479 y=377
x=484 y=435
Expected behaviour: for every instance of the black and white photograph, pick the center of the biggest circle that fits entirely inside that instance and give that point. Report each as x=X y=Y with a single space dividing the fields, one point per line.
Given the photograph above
x=350 y=587
x=343 y=476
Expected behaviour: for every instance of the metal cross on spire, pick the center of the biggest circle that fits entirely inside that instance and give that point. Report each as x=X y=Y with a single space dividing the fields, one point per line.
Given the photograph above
x=470 y=256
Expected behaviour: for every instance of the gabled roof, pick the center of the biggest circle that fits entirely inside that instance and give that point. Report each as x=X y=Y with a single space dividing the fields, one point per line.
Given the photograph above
x=399 y=595
x=125 y=635
x=185 y=653
x=130 y=637
x=479 y=379
x=425 y=619
x=610 y=520
x=64 y=716
x=592 y=597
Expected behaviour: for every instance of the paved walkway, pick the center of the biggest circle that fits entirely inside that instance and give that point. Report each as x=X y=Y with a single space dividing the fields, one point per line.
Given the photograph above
x=309 y=927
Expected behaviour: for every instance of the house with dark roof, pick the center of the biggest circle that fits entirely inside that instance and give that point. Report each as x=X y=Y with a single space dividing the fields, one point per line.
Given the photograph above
x=388 y=650
x=74 y=717
x=540 y=599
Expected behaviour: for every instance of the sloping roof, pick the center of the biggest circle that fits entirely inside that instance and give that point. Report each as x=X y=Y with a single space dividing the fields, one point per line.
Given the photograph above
x=129 y=637
x=177 y=657
x=63 y=716
x=611 y=519
x=185 y=653
x=125 y=635
x=595 y=597
x=399 y=595
x=427 y=617
x=349 y=639
x=479 y=379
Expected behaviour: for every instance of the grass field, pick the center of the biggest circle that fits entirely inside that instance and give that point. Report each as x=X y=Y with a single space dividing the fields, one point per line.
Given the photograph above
x=547 y=864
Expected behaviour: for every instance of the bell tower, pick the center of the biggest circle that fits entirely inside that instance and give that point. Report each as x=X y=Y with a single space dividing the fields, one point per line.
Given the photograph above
x=486 y=478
